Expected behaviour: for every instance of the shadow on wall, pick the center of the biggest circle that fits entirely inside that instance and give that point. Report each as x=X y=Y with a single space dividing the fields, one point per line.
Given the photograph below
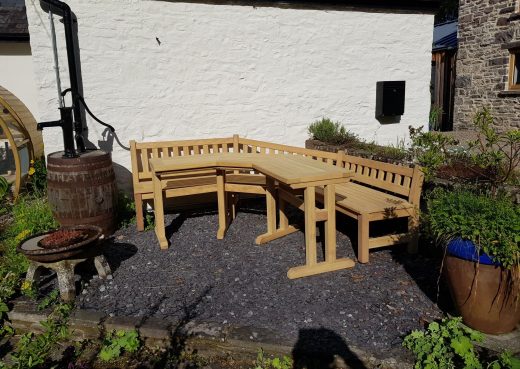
x=321 y=348
x=123 y=179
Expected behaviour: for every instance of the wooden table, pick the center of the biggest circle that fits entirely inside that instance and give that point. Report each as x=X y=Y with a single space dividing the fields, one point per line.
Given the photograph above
x=294 y=175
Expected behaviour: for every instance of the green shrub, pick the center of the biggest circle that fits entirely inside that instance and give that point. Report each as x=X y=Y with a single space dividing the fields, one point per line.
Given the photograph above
x=497 y=152
x=331 y=132
x=37 y=181
x=493 y=224
x=126 y=213
x=115 y=343
x=449 y=345
x=262 y=362
x=430 y=149
x=34 y=350
x=4 y=187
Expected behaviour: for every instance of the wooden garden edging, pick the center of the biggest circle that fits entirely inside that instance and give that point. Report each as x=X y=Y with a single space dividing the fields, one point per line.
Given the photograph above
x=377 y=191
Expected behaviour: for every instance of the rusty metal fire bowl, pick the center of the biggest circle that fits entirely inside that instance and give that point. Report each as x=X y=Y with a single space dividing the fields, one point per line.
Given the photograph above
x=85 y=248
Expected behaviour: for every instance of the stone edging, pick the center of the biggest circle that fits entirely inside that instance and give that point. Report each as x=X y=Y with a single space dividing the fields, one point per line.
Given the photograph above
x=206 y=338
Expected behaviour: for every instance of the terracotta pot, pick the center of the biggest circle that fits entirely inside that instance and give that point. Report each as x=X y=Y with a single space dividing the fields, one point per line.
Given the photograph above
x=486 y=296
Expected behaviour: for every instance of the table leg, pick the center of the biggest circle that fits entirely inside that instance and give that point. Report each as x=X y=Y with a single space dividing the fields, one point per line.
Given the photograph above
x=309 y=198
x=329 y=200
x=222 y=209
x=330 y=264
x=272 y=231
x=158 y=204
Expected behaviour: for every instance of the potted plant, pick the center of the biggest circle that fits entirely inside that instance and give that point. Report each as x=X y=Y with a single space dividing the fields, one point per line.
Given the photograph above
x=482 y=262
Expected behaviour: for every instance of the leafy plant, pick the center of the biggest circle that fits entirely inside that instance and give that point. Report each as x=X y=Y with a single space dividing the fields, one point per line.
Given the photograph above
x=4 y=187
x=51 y=299
x=116 y=342
x=33 y=350
x=497 y=152
x=126 y=213
x=262 y=362
x=493 y=224
x=331 y=132
x=430 y=149
x=37 y=180
x=435 y=115
x=449 y=345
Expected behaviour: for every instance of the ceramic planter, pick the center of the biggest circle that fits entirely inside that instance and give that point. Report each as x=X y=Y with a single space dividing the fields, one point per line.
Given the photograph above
x=486 y=296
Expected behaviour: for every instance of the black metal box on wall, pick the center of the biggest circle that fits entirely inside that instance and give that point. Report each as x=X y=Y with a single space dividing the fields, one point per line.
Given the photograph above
x=390 y=98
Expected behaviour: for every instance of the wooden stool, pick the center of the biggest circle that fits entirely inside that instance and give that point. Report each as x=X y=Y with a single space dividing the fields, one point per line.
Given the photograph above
x=65 y=271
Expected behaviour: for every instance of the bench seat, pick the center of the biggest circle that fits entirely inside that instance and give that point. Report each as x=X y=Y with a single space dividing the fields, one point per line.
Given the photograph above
x=364 y=200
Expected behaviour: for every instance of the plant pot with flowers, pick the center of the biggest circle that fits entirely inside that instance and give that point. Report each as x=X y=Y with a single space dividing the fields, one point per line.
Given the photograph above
x=482 y=259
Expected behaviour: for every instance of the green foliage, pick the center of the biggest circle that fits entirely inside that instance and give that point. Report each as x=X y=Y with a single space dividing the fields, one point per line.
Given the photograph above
x=126 y=213
x=115 y=343
x=37 y=181
x=331 y=132
x=4 y=187
x=51 y=299
x=30 y=214
x=262 y=362
x=493 y=224
x=497 y=152
x=449 y=345
x=430 y=149
x=4 y=192
x=435 y=115
x=33 y=350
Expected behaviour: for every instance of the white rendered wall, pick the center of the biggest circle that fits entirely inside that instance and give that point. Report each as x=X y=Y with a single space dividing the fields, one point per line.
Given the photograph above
x=264 y=73
x=16 y=73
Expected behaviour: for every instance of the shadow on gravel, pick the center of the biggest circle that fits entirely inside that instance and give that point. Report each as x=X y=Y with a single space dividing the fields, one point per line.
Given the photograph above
x=115 y=253
x=321 y=348
x=425 y=268
x=176 y=353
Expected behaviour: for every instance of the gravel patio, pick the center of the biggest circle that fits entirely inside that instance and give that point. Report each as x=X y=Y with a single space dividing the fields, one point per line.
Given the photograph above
x=234 y=282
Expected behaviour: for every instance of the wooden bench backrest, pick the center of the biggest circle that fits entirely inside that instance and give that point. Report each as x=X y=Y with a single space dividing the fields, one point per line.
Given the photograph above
x=142 y=152
x=253 y=146
x=400 y=180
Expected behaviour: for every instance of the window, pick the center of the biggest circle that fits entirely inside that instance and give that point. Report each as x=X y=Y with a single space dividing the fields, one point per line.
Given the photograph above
x=514 y=70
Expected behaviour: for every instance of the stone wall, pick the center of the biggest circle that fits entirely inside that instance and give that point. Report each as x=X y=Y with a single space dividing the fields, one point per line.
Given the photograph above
x=165 y=70
x=483 y=65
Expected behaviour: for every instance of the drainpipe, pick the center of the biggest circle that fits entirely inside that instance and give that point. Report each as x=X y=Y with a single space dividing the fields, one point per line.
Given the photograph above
x=63 y=10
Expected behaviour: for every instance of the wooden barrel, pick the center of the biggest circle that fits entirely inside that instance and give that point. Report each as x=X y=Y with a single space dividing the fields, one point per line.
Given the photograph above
x=83 y=190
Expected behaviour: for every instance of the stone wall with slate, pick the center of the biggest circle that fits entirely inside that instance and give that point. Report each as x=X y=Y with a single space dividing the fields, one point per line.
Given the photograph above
x=486 y=29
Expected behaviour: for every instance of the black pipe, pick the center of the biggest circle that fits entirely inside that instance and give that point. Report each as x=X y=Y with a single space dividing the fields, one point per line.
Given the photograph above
x=67 y=128
x=63 y=10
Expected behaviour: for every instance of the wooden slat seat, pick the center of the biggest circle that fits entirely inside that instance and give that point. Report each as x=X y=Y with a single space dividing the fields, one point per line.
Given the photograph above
x=364 y=200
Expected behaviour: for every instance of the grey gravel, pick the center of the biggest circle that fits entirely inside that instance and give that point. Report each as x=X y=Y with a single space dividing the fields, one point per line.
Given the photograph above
x=236 y=282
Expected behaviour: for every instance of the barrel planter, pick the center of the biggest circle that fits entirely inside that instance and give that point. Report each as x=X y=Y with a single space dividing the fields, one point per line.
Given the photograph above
x=485 y=294
x=82 y=190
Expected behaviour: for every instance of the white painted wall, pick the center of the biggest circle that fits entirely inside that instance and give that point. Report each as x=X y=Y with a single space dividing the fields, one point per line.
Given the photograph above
x=16 y=73
x=264 y=73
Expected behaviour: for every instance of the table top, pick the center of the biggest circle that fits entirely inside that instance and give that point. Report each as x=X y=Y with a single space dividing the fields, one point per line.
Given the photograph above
x=286 y=168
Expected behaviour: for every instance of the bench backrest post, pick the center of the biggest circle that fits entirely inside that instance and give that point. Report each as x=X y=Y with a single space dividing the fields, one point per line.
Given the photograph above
x=236 y=143
x=416 y=185
x=135 y=168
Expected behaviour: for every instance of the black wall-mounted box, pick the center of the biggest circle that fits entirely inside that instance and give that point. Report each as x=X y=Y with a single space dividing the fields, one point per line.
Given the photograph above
x=390 y=98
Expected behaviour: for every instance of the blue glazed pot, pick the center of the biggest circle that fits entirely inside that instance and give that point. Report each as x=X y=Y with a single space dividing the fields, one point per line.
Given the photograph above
x=466 y=250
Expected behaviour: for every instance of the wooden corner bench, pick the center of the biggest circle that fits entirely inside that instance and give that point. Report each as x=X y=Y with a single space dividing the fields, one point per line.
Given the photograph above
x=377 y=191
